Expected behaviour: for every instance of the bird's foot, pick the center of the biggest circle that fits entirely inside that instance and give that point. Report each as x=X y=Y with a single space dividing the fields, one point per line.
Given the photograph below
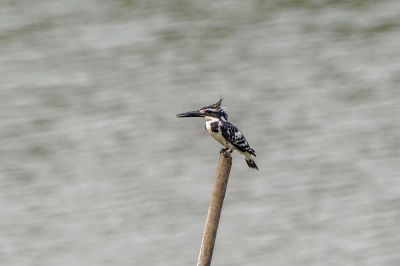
x=223 y=150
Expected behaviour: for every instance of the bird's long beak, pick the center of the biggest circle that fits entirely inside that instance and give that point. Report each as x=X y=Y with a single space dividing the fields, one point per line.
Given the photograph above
x=191 y=114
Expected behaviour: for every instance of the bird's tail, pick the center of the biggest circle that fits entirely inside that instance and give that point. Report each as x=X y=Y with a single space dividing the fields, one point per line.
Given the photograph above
x=251 y=163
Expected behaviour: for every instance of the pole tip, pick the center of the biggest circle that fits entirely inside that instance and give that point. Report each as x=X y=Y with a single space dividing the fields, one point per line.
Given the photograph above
x=226 y=153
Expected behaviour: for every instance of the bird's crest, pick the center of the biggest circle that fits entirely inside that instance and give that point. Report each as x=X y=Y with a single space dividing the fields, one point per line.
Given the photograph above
x=216 y=105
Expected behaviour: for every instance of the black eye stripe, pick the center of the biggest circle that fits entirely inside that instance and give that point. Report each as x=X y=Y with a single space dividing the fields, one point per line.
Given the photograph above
x=216 y=113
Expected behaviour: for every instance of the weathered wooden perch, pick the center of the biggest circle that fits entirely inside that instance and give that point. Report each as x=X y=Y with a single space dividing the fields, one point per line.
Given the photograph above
x=214 y=209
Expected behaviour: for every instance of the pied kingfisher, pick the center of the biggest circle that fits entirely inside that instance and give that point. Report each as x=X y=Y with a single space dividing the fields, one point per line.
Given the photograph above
x=225 y=133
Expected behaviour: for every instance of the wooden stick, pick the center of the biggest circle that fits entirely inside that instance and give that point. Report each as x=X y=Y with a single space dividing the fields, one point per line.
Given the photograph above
x=214 y=209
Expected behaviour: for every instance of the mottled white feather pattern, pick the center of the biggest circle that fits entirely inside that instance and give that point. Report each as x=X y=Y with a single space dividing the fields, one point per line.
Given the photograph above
x=229 y=136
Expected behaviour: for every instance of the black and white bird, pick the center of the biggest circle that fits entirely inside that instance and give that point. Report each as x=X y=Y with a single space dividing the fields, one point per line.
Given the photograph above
x=225 y=133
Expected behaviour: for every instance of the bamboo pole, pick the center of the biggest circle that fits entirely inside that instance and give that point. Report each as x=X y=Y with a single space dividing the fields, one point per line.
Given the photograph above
x=214 y=209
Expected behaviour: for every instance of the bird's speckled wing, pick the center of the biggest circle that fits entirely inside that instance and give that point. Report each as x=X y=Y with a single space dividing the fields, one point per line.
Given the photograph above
x=233 y=135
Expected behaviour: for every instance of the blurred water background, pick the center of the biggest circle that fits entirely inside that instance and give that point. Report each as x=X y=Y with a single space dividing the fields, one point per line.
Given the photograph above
x=95 y=169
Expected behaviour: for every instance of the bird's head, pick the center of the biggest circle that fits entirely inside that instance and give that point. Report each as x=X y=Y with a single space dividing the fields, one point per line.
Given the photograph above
x=214 y=110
